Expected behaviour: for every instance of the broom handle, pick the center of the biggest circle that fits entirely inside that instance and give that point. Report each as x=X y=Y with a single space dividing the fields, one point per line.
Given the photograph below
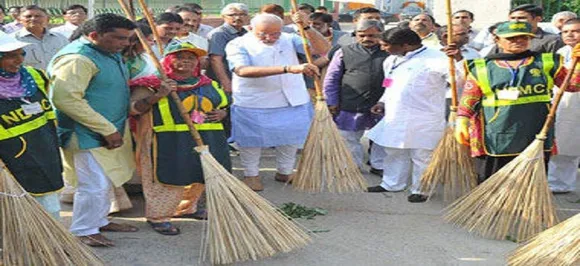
x=151 y=22
x=451 y=59
x=317 y=83
x=174 y=96
x=552 y=115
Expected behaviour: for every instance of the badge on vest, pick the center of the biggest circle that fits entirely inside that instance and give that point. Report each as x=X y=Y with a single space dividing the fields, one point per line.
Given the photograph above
x=32 y=108
x=510 y=95
x=387 y=82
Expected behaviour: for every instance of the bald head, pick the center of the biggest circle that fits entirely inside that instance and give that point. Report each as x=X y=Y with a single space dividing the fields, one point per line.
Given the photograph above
x=266 y=18
x=267 y=28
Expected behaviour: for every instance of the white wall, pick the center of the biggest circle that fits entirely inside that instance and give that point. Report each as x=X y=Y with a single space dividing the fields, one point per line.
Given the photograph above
x=486 y=12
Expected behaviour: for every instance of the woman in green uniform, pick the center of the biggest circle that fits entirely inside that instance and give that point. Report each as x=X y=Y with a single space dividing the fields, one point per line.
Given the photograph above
x=165 y=155
x=506 y=99
x=28 y=141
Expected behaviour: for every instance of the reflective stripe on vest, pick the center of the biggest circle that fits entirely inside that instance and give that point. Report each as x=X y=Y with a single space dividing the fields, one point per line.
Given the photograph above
x=7 y=133
x=224 y=102
x=489 y=97
x=170 y=126
x=51 y=115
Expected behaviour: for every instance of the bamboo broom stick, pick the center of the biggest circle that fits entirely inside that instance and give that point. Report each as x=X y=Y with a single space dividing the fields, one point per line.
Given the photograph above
x=326 y=162
x=451 y=164
x=317 y=82
x=241 y=224
x=517 y=198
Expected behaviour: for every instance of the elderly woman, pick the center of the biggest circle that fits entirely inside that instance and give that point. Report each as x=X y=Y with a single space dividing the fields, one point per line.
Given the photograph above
x=28 y=141
x=165 y=154
x=507 y=98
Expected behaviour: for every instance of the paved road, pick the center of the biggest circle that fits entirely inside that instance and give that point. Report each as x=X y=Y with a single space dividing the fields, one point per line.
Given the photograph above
x=365 y=229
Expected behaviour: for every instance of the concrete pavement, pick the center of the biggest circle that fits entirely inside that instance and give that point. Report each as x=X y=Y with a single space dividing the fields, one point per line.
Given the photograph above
x=364 y=229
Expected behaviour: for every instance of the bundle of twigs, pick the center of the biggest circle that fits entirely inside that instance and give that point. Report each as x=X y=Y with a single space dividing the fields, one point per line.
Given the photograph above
x=451 y=164
x=30 y=235
x=516 y=199
x=241 y=224
x=326 y=162
x=557 y=246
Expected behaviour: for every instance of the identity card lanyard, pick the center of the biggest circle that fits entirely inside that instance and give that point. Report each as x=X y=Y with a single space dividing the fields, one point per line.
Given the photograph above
x=509 y=94
x=395 y=65
x=515 y=71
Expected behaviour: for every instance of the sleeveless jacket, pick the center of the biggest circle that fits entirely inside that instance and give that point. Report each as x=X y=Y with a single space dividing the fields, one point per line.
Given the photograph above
x=107 y=94
x=510 y=125
x=362 y=79
x=28 y=141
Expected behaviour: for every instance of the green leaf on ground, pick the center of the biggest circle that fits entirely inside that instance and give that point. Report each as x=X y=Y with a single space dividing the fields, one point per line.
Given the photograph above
x=295 y=211
x=319 y=231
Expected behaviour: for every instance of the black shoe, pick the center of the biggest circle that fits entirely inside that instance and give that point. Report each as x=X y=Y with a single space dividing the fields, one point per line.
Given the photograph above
x=376 y=171
x=560 y=192
x=376 y=189
x=417 y=198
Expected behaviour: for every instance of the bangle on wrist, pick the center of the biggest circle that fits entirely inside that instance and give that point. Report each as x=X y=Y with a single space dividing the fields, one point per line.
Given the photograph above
x=306 y=28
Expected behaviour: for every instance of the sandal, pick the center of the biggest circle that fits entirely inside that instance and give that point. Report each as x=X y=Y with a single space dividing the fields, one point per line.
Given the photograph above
x=165 y=228
x=122 y=228
x=200 y=214
x=96 y=240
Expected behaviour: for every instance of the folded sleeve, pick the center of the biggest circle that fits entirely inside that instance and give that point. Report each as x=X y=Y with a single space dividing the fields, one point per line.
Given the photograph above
x=237 y=55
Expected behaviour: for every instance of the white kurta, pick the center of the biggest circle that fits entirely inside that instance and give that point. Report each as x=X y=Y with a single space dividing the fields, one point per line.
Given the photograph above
x=415 y=100
x=563 y=168
x=568 y=116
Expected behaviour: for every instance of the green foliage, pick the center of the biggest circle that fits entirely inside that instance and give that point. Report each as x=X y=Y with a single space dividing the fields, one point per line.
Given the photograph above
x=552 y=7
x=295 y=211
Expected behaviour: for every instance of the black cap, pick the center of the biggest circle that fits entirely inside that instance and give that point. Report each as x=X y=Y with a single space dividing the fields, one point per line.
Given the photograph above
x=535 y=10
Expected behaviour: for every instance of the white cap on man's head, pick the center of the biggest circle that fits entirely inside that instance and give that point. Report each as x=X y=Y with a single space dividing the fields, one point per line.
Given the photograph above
x=9 y=43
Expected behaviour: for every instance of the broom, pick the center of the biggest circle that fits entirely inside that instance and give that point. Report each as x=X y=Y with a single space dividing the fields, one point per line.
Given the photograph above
x=557 y=246
x=31 y=236
x=241 y=224
x=517 y=198
x=326 y=162
x=451 y=164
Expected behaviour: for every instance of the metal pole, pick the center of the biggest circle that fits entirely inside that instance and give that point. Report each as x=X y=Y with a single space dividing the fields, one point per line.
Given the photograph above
x=91 y=8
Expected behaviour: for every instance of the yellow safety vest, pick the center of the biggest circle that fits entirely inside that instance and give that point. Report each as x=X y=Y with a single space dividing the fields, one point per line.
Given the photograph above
x=35 y=123
x=167 y=113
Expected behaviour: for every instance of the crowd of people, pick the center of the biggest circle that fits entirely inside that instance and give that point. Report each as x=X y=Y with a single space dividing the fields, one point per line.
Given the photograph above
x=83 y=107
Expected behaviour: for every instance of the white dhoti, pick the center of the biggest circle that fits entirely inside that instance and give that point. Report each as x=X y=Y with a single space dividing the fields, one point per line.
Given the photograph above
x=91 y=200
x=400 y=164
x=353 y=143
x=563 y=172
x=285 y=159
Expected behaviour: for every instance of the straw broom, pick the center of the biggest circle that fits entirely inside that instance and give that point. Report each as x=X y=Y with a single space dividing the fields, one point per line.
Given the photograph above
x=30 y=235
x=451 y=164
x=326 y=162
x=557 y=246
x=516 y=199
x=241 y=224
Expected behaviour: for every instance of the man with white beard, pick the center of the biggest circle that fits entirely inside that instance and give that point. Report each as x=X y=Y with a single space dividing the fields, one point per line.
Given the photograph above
x=271 y=105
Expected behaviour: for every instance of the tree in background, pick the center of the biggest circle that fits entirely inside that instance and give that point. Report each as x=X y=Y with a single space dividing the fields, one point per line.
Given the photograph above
x=552 y=6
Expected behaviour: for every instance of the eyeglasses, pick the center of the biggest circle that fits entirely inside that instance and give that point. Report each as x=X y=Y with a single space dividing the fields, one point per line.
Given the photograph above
x=271 y=35
x=236 y=15
x=75 y=12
